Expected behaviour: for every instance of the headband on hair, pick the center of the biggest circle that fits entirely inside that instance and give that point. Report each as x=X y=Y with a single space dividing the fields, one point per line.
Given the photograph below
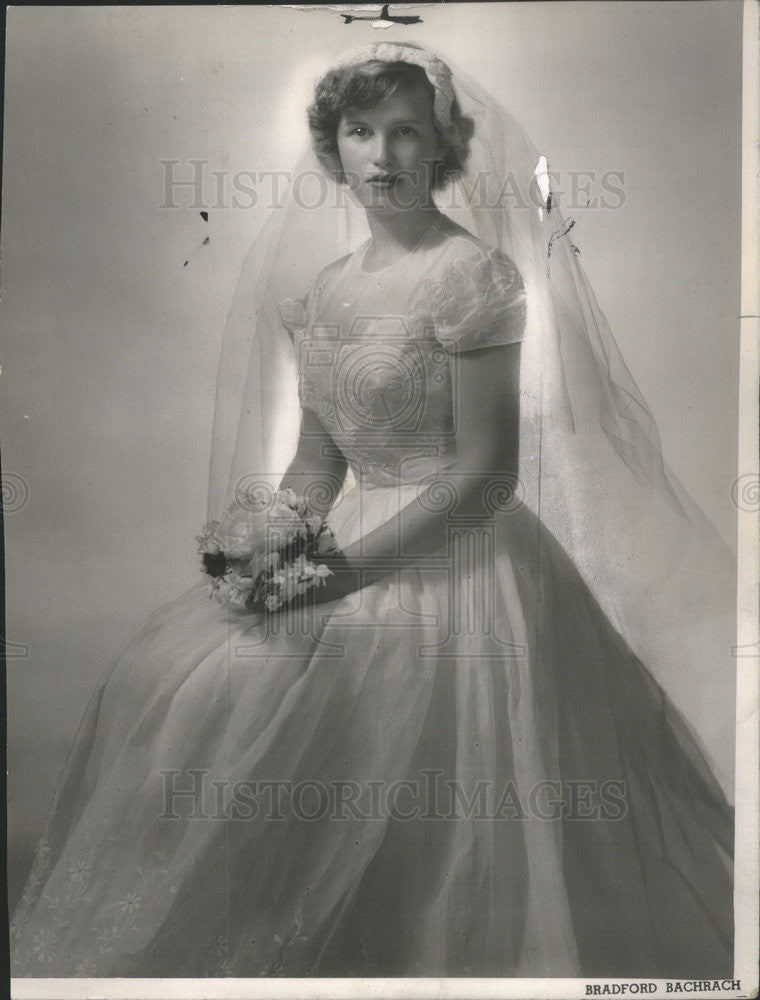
x=437 y=72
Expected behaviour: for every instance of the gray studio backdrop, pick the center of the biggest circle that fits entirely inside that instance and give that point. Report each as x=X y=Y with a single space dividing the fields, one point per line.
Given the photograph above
x=110 y=340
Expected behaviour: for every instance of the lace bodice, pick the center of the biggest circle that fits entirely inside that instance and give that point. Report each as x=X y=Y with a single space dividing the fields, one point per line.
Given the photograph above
x=377 y=351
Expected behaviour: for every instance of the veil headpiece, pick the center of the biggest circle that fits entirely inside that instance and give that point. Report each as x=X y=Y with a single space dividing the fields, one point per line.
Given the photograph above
x=591 y=466
x=437 y=72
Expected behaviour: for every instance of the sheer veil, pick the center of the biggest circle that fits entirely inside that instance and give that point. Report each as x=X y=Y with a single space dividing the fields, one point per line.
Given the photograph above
x=591 y=466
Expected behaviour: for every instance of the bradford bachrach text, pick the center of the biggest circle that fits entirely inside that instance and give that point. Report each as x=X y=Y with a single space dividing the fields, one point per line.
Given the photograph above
x=672 y=986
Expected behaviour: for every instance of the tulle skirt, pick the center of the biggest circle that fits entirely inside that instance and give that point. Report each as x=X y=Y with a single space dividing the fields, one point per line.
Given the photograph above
x=460 y=770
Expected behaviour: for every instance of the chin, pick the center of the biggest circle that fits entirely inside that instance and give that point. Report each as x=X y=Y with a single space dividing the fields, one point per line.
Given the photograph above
x=396 y=199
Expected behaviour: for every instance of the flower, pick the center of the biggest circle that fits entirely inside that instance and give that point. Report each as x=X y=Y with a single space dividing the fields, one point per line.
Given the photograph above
x=265 y=562
x=301 y=565
x=44 y=947
x=207 y=540
x=271 y=560
x=237 y=589
x=326 y=542
x=86 y=968
x=79 y=871
x=289 y=499
x=284 y=524
x=314 y=522
x=228 y=593
x=130 y=904
x=240 y=538
x=280 y=571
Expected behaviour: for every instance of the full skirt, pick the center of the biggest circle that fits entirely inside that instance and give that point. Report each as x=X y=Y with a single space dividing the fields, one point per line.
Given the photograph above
x=460 y=770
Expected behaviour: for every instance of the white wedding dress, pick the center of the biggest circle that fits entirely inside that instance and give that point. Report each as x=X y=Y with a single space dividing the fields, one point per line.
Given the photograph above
x=489 y=665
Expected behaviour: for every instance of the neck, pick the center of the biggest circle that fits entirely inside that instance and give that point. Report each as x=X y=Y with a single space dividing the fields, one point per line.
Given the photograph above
x=400 y=231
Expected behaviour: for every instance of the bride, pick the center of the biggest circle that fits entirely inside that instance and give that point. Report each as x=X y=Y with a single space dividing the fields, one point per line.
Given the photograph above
x=423 y=730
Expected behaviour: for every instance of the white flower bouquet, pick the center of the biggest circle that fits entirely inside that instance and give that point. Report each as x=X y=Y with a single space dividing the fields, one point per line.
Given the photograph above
x=262 y=559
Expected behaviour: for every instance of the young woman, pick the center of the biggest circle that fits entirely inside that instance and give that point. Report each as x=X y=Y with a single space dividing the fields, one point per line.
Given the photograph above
x=427 y=750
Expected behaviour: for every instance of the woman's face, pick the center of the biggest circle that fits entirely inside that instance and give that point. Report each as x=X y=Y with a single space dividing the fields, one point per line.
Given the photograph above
x=388 y=152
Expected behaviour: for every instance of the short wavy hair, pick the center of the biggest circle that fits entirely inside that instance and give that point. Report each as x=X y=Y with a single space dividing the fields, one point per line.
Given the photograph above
x=364 y=87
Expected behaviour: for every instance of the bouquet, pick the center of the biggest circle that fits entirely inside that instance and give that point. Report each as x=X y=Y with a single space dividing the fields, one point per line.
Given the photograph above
x=265 y=558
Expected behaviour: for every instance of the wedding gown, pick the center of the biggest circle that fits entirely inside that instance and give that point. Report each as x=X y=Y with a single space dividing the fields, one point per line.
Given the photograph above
x=566 y=822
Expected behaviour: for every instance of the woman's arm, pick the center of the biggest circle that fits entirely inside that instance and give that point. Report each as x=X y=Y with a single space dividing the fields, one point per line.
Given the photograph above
x=318 y=468
x=486 y=388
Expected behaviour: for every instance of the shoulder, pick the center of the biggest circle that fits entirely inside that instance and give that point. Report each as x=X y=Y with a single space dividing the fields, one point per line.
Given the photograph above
x=294 y=313
x=333 y=271
x=473 y=266
x=475 y=295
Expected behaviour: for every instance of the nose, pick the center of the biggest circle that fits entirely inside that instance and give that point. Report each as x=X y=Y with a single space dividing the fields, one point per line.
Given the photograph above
x=382 y=154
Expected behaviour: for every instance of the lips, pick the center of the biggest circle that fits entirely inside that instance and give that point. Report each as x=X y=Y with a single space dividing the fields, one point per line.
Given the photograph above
x=383 y=180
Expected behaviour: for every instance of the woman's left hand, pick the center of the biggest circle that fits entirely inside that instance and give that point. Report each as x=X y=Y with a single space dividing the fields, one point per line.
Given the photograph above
x=343 y=579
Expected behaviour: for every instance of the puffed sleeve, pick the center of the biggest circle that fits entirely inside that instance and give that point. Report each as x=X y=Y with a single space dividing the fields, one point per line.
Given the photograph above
x=478 y=301
x=297 y=315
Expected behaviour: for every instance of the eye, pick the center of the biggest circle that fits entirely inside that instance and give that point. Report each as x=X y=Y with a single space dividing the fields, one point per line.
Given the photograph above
x=359 y=130
x=406 y=130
